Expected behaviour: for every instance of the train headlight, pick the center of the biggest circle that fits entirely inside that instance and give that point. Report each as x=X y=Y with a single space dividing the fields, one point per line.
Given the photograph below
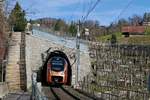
x=62 y=73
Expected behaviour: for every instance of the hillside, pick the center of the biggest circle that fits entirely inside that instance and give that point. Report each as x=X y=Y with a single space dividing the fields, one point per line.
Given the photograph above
x=143 y=39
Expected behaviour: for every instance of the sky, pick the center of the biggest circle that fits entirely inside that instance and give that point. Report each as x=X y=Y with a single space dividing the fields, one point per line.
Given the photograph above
x=106 y=11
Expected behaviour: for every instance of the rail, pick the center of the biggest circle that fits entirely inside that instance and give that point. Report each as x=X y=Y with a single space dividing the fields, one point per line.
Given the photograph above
x=36 y=91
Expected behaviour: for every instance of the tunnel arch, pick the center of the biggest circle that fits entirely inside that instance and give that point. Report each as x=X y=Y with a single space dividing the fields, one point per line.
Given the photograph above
x=44 y=67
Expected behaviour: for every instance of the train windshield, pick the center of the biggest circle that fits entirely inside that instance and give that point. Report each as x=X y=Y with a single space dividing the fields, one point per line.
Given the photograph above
x=57 y=64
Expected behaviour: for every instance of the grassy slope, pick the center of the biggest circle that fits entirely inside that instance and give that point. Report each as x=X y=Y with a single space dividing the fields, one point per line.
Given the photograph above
x=143 y=39
x=108 y=37
x=137 y=40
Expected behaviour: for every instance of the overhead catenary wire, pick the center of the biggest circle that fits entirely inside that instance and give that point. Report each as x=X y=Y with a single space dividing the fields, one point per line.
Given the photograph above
x=74 y=13
x=83 y=8
x=123 y=10
x=87 y=5
x=78 y=42
x=90 y=10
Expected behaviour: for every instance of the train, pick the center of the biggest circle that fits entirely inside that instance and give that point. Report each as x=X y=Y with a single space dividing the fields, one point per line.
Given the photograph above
x=56 y=69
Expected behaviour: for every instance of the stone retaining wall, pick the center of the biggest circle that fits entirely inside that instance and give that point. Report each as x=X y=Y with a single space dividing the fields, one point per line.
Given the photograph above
x=119 y=72
x=13 y=68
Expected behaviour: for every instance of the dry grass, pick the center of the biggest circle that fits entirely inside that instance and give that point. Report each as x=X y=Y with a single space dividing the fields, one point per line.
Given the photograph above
x=136 y=40
x=143 y=39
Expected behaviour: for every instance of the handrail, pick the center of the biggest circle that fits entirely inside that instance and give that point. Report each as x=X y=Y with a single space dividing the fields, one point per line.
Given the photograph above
x=36 y=92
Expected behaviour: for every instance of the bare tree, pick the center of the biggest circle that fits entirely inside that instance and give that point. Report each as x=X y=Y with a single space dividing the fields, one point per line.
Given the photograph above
x=135 y=20
x=2 y=22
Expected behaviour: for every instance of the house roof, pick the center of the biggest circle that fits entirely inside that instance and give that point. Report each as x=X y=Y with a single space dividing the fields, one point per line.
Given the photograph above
x=134 y=30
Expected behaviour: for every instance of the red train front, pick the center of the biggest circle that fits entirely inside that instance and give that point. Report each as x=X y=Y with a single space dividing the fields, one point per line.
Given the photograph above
x=57 y=70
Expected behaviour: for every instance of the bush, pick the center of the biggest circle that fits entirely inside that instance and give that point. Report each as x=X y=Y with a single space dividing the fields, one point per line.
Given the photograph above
x=113 y=39
x=147 y=30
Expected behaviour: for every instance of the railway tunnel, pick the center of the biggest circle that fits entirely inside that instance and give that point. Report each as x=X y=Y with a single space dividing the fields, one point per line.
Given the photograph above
x=39 y=42
x=42 y=72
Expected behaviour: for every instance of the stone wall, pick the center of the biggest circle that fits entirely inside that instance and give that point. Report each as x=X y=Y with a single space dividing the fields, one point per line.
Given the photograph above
x=13 y=69
x=119 y=71
x=35 y=46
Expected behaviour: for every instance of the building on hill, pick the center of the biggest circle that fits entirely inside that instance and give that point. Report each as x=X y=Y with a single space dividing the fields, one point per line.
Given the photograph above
x=133 y=30
x=146 y=23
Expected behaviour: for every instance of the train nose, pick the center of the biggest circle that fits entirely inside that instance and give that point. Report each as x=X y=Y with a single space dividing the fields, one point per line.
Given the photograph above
x=56 y=80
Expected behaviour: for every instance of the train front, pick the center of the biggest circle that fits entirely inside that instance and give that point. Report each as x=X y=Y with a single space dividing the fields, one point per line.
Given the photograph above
x=57 y=71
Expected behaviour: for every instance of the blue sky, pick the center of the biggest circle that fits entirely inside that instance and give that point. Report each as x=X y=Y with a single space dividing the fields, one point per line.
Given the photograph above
x=106 y=11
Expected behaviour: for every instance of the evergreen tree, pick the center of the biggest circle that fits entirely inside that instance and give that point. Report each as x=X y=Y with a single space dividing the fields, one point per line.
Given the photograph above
x=57 y=25
x=113 y=39
x=17 y=19
x=145 y=17
x=72 y=29
x=121 y=23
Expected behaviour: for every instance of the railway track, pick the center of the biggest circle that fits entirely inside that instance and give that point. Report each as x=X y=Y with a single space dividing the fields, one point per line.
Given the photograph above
x=63 y=93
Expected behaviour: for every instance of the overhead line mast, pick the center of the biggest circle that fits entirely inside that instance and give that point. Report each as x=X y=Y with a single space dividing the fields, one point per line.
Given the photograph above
x=78 y=42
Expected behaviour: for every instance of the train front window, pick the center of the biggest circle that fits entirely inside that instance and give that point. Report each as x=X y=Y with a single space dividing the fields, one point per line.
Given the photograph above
x=57 y=64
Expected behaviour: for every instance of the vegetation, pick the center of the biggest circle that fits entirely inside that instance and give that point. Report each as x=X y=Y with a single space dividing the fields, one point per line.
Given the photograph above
x=136 y=40
x=145 y=39
x=17 y=19
x=72 y=29
x=146 y=17
x=113 y=39
x=107 y=38
x=3 y=38
x=57 y=25
x=98 y=32
x=147 y=30
x=2 y=20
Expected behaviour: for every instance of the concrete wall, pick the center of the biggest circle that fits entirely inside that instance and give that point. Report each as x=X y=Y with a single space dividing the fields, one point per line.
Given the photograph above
x=35 y=46
x=3 y=89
